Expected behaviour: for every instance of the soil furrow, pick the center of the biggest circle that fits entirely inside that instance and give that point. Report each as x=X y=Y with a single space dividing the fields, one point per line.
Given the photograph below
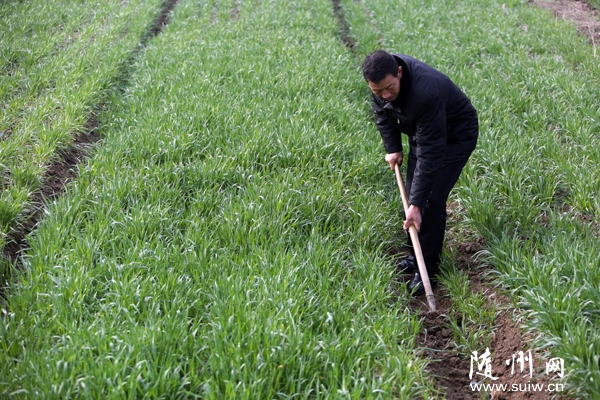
x=347 y=39
x=451 y=365
x=63 y=170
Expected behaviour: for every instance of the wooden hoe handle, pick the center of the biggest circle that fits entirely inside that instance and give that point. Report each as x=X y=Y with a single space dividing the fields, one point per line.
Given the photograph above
x=416 y=245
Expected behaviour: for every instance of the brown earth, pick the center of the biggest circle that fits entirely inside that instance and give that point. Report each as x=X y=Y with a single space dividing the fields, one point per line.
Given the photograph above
x=344 y=29
x=581 y=13
x=450 y=367
x=56 y=177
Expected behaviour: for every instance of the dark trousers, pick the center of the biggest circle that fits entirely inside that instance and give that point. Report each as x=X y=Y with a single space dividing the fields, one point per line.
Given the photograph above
x=433 y=224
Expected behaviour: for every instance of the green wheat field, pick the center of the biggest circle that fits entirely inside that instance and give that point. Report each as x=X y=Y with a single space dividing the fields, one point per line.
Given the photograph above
x=234 y=233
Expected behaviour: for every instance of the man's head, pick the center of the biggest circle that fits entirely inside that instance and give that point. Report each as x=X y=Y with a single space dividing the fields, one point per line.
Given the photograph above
x=382 y=73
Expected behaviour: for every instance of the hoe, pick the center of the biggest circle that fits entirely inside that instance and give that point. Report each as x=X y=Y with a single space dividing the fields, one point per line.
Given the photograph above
x=416 y=245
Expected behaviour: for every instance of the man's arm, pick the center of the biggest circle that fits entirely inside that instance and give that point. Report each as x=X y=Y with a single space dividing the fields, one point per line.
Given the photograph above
x=391 y=137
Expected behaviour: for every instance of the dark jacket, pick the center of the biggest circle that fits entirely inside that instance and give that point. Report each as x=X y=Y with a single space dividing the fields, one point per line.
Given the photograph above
x=433 y=112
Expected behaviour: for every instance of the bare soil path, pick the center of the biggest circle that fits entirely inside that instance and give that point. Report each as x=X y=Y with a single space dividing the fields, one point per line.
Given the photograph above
x=449 y=365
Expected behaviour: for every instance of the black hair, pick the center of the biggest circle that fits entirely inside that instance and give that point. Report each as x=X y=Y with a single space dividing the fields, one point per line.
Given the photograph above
x=378 y=65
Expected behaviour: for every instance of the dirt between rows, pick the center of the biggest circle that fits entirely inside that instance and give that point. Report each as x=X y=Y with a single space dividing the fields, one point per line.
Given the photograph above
x=451 y=367
x=57 y=176
x=63 y=169
x=511 y=345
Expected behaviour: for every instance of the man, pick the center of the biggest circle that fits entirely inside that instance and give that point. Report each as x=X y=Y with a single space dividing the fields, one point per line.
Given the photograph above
x=412 y=97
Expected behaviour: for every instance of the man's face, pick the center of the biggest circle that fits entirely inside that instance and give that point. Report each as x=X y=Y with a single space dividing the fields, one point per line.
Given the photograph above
x=388 y=88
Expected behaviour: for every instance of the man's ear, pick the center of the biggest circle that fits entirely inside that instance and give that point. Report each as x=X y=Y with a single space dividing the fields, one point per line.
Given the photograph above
x=400 y=72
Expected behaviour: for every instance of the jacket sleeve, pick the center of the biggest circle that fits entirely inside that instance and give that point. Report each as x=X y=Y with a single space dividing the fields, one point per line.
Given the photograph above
x=392 y=138
x=431 y=146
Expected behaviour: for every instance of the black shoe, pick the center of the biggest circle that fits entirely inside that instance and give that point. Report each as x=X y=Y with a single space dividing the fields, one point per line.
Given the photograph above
x=407 y=266
x=416 y=286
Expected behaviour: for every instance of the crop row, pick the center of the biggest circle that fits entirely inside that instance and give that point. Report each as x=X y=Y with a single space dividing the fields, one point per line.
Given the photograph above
x=58 y=62
x=228 y=239
x=532 y=188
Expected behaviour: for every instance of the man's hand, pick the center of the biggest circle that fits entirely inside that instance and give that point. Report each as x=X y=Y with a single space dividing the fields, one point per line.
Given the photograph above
x=413 y=217
x=393 y=159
